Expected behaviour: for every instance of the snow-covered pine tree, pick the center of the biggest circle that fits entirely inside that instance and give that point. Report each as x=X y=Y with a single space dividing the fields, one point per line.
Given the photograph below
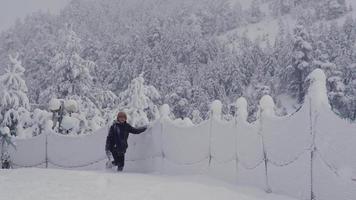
x=283 y=47
x=70 y=73
x=38 y=29
x=14 y=98
x=333 y=73
x=139 y=102
x=71 y=79
x=350 y=91
x=196 y=118
x=179 y=90
x=199 y=101
x=301 y=62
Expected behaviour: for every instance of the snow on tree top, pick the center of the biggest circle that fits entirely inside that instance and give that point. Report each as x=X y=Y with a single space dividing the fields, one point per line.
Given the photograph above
x=307 y=45
x=71 y=105
x=17 y=64
x=5 y=130
x=54 y=104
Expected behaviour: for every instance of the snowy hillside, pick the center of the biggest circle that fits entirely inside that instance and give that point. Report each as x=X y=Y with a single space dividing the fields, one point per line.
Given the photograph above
x=41 y=184
x=267 y=28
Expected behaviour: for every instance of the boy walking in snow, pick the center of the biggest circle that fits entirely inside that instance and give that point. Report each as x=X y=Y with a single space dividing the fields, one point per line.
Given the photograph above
x=116 y=141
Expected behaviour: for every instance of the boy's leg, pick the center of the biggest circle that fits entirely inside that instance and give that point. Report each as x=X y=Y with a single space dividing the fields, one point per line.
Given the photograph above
x=121 y=161
x=115 y=156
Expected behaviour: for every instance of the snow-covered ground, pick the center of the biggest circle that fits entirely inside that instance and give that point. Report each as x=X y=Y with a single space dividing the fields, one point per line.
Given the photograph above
x=44 y=184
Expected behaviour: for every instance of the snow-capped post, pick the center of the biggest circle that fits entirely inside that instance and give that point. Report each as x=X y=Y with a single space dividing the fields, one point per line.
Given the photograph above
x=215 y=109
x=48 y=129
x=165 y=112
x=55 y=106
x=215 y=114
x=241 y=115
x=317 y=99
x=267 y=106
x=266 y=110
x=241 y=110
x=317 y=92
x=6 y=141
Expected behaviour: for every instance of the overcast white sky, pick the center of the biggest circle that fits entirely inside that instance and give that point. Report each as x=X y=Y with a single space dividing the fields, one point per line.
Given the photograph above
x=10 y=10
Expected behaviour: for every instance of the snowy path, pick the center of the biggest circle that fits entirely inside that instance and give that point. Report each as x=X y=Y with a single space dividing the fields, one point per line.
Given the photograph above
x=44 y=184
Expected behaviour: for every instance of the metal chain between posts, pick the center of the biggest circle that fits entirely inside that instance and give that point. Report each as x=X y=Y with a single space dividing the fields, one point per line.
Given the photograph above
x=283 y=164
x=189 y=163
x=144 y=159
x=28 y=166
x=245 y=166
x=224 y=161
x=296 y=111
x=76 y=166
x=330 y=166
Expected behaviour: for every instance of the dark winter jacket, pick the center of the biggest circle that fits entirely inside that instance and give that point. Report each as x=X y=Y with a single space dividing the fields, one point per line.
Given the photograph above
x=118 y=135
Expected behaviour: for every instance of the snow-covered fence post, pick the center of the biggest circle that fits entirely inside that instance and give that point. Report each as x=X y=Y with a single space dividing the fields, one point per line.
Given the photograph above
x=46 y=149
x=47 y=131
x=165 y=113
x=241 y=115
x=317 y=98
x=215 y=114
x=215 y=109
x=241 y=110
x=266 y=109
